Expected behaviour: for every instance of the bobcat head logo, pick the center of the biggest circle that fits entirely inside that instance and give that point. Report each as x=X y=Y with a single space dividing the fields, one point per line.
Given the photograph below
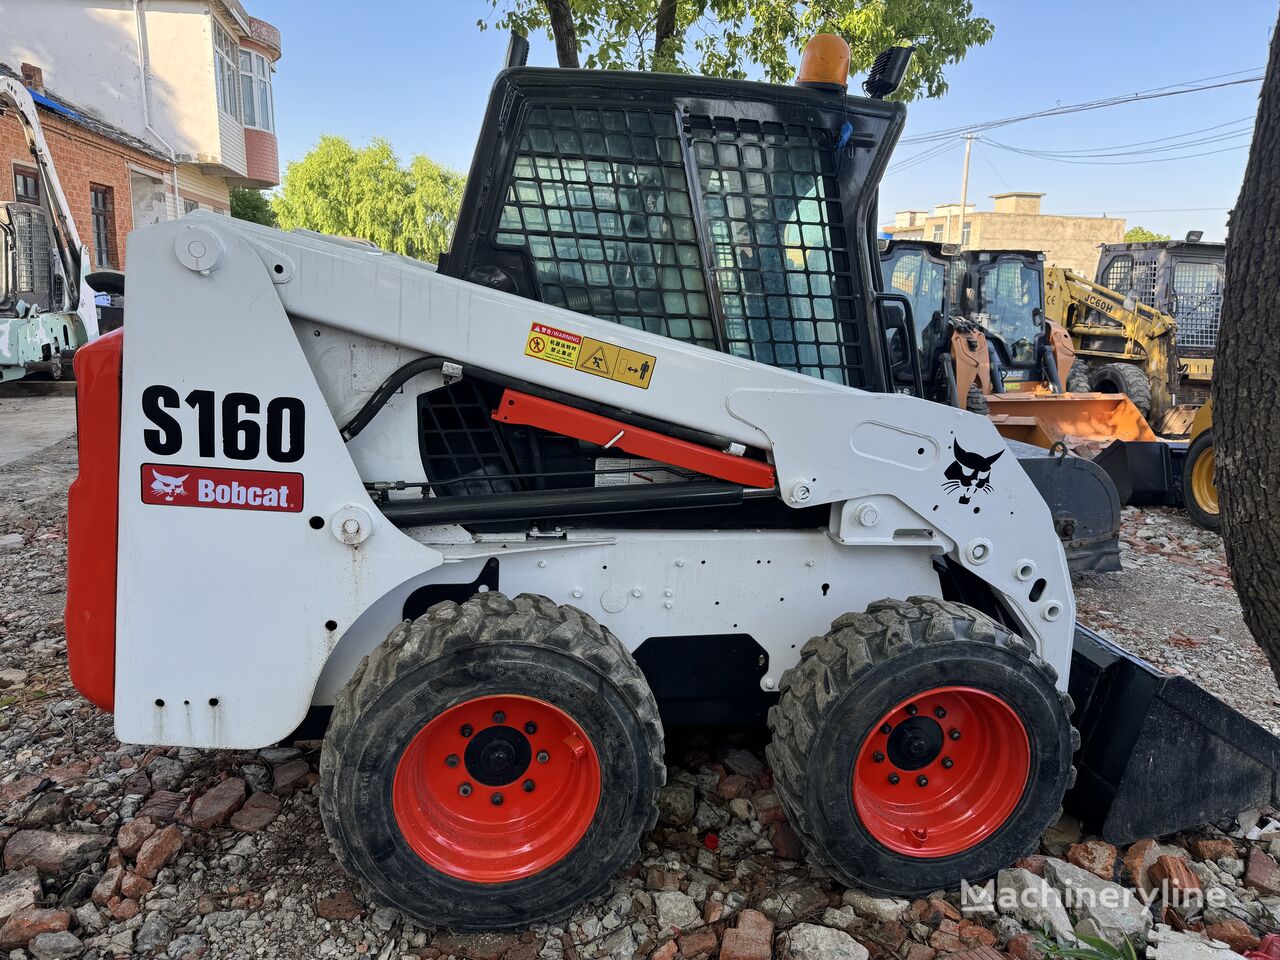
x=969 y=472
x=168 y=487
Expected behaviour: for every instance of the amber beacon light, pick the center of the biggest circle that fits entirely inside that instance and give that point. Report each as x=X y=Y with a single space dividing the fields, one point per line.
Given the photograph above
x=824 y=63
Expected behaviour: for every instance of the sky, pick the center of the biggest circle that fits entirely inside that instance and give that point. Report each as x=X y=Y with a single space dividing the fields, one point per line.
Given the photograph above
x=418 y=73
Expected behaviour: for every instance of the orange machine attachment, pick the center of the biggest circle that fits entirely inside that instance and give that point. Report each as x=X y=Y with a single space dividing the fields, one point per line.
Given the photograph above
x=973 y=362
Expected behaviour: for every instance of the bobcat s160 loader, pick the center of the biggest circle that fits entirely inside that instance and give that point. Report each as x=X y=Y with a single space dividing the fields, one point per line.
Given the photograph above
x=500 y=515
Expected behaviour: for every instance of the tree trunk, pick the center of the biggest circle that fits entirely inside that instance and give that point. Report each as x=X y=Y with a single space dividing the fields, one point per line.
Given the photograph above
x=564 y=31
x=1246 y=381
x=664 y=31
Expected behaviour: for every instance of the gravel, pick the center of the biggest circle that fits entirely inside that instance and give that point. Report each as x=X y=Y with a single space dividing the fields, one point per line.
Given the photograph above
x=182 y=853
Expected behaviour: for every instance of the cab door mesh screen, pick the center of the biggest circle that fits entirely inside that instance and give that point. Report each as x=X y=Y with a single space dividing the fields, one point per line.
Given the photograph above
x=599 y=199
x=776 y=239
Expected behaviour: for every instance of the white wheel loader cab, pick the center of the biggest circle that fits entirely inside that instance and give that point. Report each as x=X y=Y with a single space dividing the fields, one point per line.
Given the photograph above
x=628 y=450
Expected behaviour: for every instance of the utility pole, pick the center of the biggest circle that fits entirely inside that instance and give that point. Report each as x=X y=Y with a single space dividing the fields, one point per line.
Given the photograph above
x=964 y=183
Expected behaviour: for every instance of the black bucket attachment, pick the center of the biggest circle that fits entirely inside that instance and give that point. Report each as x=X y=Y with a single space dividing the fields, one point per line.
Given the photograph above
x=1084 y=504
x=1145 y=471
x=1158 y=754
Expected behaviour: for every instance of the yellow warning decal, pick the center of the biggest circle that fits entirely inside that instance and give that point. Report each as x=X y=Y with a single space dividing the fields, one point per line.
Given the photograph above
x=596 y=357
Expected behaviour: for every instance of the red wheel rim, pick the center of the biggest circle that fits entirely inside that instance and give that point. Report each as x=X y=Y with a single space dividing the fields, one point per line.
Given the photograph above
x=941 y=771
x=496 y=788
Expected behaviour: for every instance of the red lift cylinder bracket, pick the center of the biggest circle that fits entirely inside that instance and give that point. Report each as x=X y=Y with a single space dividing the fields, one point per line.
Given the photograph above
x=517 y=407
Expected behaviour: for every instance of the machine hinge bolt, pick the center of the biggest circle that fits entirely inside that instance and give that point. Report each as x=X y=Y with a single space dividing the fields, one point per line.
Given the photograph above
x=679 y=563
x=769 y=683
x=496 y=799
x=894 y=779
x=542 y=563
x=948 y=763
x=543 y=756
x=528 y=786
x=499 y=717
x=635 y=591
x=809 y=563
x=878 y=757
x=531 y=728
x=464 y=789
x=577 y=593
x=451 y=760
x=940 y=712
x=954 y=734
x=912 y=710
x=668 y=604
x=922 y=781
x=886 y=729
x=668 y=593
x=466 y=730
x=800 y=493
x=867 y=515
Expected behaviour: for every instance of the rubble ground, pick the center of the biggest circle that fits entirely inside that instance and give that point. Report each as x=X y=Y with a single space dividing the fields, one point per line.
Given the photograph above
x=114 y=849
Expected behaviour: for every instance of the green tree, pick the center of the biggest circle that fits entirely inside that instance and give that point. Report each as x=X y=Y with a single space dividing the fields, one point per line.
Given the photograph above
x=251 y=205
x=365 y=192
x=725 y=38
x=1143 y=235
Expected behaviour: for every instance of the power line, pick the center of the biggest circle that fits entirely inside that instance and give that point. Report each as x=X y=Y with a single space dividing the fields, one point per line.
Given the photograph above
x=1147 y=144
x=923 y=157
x=1154 y=94
x=1112 y=163
x=1081 y=213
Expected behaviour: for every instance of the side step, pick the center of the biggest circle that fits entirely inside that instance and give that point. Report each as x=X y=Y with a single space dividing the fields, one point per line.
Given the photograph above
x=1158 y=754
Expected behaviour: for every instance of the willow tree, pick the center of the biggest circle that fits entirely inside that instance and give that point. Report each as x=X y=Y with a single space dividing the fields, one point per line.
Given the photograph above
x=365 y=192
x=731 y=38
x=1246 y=385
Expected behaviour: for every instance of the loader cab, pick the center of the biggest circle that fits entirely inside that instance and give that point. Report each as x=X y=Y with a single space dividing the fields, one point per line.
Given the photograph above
x=728 y=214
x=1004 y=294
x=1183 y=278
x=927 y=274
x=31 y=278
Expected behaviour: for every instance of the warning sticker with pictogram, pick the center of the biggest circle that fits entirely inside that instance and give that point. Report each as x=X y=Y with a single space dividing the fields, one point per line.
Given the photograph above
x=588 y=355
x=548 y=343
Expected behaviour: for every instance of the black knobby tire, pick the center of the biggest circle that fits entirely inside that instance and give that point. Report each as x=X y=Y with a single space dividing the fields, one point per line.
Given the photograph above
x=1124 y=378
x=847 y=680
x=976 y=401
x=454 y=653
x=1205 y=513
x=1078 y=378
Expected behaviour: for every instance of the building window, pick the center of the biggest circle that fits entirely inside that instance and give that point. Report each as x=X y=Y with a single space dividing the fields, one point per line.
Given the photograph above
x=26 y=186
x=189 y=206
x=964 y=234
x=255 y=91
x=225 y=57
x=937 y=233
x=100 y=203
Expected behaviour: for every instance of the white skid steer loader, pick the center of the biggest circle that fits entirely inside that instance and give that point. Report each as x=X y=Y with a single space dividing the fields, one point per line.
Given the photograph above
x=498 y=536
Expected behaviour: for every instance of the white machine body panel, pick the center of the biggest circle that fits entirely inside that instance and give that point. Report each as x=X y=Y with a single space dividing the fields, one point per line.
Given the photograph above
x=255 y=590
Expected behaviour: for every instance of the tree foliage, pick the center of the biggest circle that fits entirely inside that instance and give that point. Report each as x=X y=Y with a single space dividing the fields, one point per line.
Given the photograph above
x=365 y=192
x=1143 y=235
x=251 y=205
x=727 y=38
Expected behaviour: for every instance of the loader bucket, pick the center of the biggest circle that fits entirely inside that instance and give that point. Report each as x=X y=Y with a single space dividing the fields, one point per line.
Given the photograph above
x=1071 y=417
x=1158 y=754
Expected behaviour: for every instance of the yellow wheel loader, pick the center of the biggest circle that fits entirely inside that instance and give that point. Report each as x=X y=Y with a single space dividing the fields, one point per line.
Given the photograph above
x=1199 y=486
x=1122 y=346
x=634 y=455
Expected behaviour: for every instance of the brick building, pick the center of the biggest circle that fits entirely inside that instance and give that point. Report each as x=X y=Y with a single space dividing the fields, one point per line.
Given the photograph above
x=151 y=109
x=1016 y=223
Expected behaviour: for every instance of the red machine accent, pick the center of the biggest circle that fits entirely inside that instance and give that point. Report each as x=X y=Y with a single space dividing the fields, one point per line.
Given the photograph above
x=963 y=793
x=500 y=831
x=517 y=407
x=92 y=519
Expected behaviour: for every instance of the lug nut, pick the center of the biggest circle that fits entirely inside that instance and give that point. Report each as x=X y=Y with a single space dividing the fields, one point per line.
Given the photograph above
x=496 y=799
x=528 y=786
x=878 y=757
x=912 y=710
x=466 y=730
x=922 y=781
x=939 y=712
x=464 y=789
x=886 y=729
x=531 y=728
x=543 y=756
x=451 y=760
x=499 y=717
x=894 y=778
x=948 y=763
x=954 y=734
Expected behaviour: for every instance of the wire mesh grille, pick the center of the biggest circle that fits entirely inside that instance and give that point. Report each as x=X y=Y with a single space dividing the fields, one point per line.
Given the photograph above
x=600 y=200
x=771 y=201
x=1197 y=302
x=462 y=452
x=34 y=268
